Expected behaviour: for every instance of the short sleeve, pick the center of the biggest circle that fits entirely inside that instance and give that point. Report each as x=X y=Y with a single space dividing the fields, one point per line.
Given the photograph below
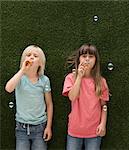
x=47 y=87
x=105 y=91
x=18 y=85
x=20 y=82
x=68 y=83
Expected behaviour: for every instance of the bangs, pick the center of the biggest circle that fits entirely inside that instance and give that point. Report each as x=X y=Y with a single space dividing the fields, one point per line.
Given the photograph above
x=31 y=49
x=87 y=50
x=35 y=49
x=27 y=51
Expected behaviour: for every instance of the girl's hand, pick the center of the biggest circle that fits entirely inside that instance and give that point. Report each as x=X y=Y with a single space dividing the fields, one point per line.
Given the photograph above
x=47 y=134
x=101 y=130
x=81 y=70
x=86 y=65
x=26 y=65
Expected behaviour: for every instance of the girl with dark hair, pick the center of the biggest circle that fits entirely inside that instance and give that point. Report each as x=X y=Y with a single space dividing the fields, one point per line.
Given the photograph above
x=88 y=92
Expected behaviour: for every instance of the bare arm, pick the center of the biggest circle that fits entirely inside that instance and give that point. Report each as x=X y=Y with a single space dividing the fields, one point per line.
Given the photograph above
x=103 y=114
x=75 y=90
x=12 y=83
x=101 y=129
x=49 y=104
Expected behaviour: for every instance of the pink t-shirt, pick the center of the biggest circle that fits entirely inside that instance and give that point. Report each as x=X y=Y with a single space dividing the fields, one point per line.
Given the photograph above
x=86 y=109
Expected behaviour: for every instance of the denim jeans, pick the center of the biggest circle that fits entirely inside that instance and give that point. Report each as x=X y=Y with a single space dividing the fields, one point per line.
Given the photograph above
x=74 y=143
x=30 y=137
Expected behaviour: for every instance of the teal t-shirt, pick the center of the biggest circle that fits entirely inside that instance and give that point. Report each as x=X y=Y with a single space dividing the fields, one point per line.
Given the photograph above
x=30 y=103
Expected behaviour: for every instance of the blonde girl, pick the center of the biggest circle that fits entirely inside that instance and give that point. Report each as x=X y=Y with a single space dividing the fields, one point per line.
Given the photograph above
x=34 y=108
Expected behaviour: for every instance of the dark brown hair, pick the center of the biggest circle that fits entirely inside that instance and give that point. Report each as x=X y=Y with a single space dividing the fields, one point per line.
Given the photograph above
x=73 y=61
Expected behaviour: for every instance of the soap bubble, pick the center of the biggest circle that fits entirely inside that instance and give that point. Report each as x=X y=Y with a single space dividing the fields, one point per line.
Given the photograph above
x=11 y=104
x=95 y=18
x=110 y=66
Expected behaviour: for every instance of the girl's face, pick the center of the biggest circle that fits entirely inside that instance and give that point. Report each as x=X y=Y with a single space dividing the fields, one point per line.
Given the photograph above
x=33 y=56
x=87 y=60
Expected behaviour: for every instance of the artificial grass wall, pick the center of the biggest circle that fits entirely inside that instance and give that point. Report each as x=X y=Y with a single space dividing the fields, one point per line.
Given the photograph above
x=59 y=28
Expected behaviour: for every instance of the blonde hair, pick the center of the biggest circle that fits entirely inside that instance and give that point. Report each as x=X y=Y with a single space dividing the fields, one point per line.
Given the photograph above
x=42 y=58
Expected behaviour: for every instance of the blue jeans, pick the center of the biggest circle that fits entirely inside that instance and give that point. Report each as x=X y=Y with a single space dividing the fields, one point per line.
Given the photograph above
x=30 y=137
x=74 y=143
